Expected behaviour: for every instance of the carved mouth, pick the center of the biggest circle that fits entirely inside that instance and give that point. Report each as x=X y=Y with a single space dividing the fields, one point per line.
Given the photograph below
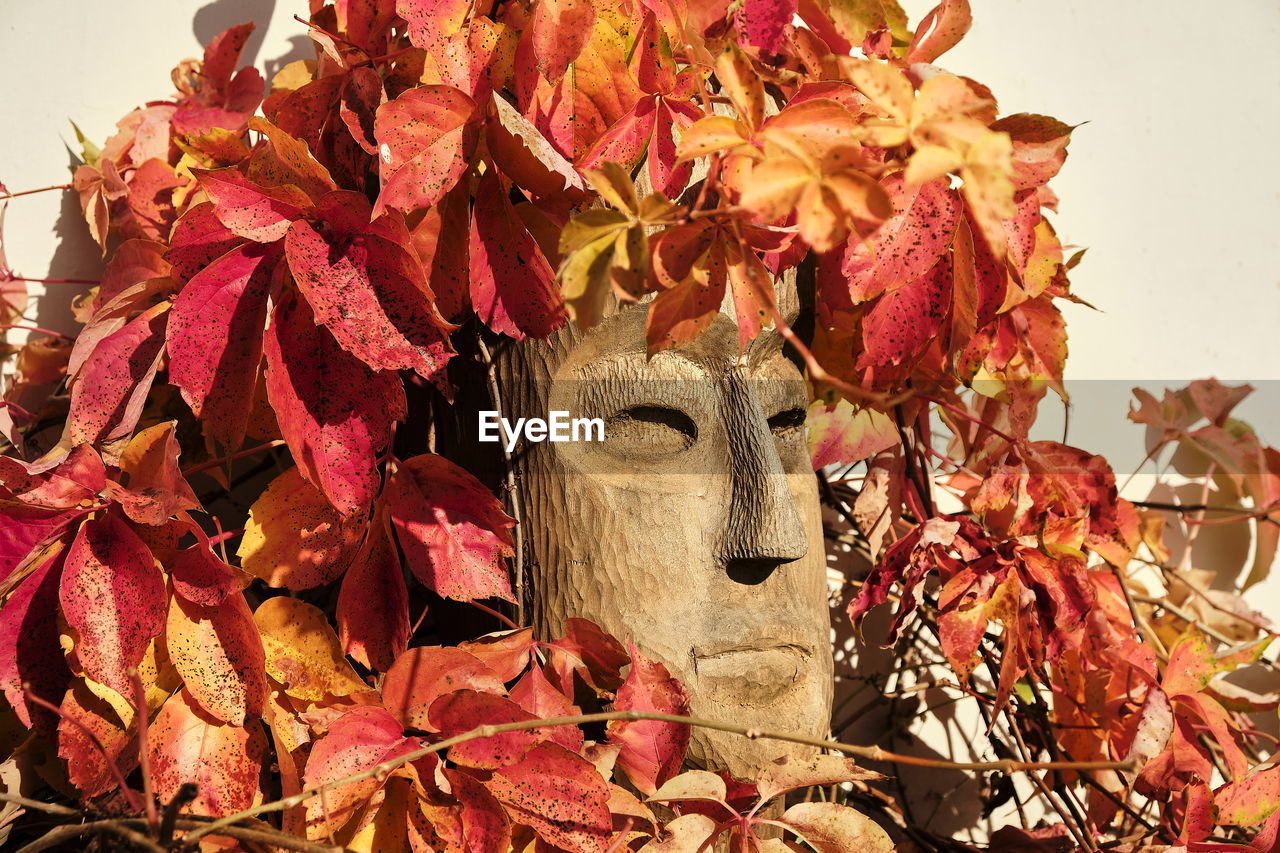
x=753 y=674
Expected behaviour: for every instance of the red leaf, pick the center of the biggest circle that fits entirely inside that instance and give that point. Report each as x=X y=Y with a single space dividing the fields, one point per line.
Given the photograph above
x=560 y=30
x=355 y=741
x=255 y=212
x=113 y=599
x=111 y=389
x=763 y=23
x=433 y=21
x=440 y=240
x=539 y=697
x=585 y=647
x=485 y=825
x=87 y=767
x=560 y=796
x=199 y=238
x=453 y=531
x=373 y=603
x=29 y=649
x=513 y=287
x=334 y=412
x=901 y=323
x=224 y=762
x=199 y=576
x=425 y=139
x=156 y=490
x=463 y=710
x=215 y=339
x=423 y=674
x=1039 y=147
x=361 y=289
x=506 y=653
x=133 y=262
x=652 y=750
x=940 y=31
x=907 y=245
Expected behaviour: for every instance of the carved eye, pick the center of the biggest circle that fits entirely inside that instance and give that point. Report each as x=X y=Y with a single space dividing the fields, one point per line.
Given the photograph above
x=787 y=423
x=650 y=431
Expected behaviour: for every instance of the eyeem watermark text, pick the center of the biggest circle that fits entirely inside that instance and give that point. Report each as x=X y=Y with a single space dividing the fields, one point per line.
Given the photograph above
x=558 y=427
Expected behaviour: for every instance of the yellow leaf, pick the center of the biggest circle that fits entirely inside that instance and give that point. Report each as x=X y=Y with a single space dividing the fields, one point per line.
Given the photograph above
x=932 y=161
x=302 y=651
x=614 y=185
x=294 y=538
x=886 y=85
x=711 y=134
x=742 y=84
x=775 y=186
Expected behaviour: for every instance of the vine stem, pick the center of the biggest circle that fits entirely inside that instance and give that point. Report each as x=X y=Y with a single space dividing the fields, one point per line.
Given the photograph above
x=6 y=196
x=55 y=280
x=22 y=327
x=872 y=753
x=214 y=463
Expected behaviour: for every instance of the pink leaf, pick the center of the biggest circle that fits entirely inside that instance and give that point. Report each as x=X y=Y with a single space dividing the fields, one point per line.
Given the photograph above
x=334 y=412
x=763 y=23
x=902 y=323
x=215 y=339
x=560 y=30
x=485 y=825
x=425 y=139
x=652 y=750
x=356 y=741
x=113 y=599
x=361 y=289
x=199 y=238
x=513 y=287
x=453 y=531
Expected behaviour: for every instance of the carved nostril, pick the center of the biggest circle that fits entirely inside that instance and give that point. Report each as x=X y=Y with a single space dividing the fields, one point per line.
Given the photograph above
x=754 y=570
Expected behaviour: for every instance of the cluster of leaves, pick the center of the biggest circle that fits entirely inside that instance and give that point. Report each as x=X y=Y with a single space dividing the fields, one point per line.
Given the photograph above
x=281 y=269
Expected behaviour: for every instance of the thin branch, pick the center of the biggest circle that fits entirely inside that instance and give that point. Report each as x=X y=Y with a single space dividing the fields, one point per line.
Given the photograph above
x=4 y=196
x=873 y=753
x=214 y=463
x=144 y=751
x=48 y=808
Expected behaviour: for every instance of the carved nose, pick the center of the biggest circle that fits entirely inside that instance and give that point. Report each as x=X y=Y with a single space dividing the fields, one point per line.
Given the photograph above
x=764 y=529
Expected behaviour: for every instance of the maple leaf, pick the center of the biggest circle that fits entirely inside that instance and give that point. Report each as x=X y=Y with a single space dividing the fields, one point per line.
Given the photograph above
x=485 y=824
x=223 y=761
x=463 y=710
x=940 y=30
x=506 y=652
x=558 y=31
x=425 y=138
x=113 y=598
x=452 y=529
x=334 y=412
x=762 y=23
x=652 y=751
x=834 y=828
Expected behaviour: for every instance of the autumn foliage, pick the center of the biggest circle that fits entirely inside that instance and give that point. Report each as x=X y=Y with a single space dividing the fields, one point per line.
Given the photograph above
x=217 y=550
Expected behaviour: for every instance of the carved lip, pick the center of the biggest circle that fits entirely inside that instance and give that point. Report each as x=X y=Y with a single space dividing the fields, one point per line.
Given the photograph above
x=752 y=674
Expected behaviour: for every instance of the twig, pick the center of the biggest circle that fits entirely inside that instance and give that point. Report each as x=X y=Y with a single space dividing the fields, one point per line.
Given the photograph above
x=144 y=752
x=129 y=795
x=33 y=192
x=214 y=463
x=873 y=753
x=58 y=835
x=49 y=808
x=21 y=327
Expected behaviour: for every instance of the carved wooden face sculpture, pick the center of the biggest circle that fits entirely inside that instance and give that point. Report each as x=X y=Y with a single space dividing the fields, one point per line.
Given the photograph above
x=693 y=529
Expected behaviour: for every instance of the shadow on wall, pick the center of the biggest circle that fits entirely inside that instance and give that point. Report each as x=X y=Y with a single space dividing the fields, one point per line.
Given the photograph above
x=221 y=14
x=76 y=256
